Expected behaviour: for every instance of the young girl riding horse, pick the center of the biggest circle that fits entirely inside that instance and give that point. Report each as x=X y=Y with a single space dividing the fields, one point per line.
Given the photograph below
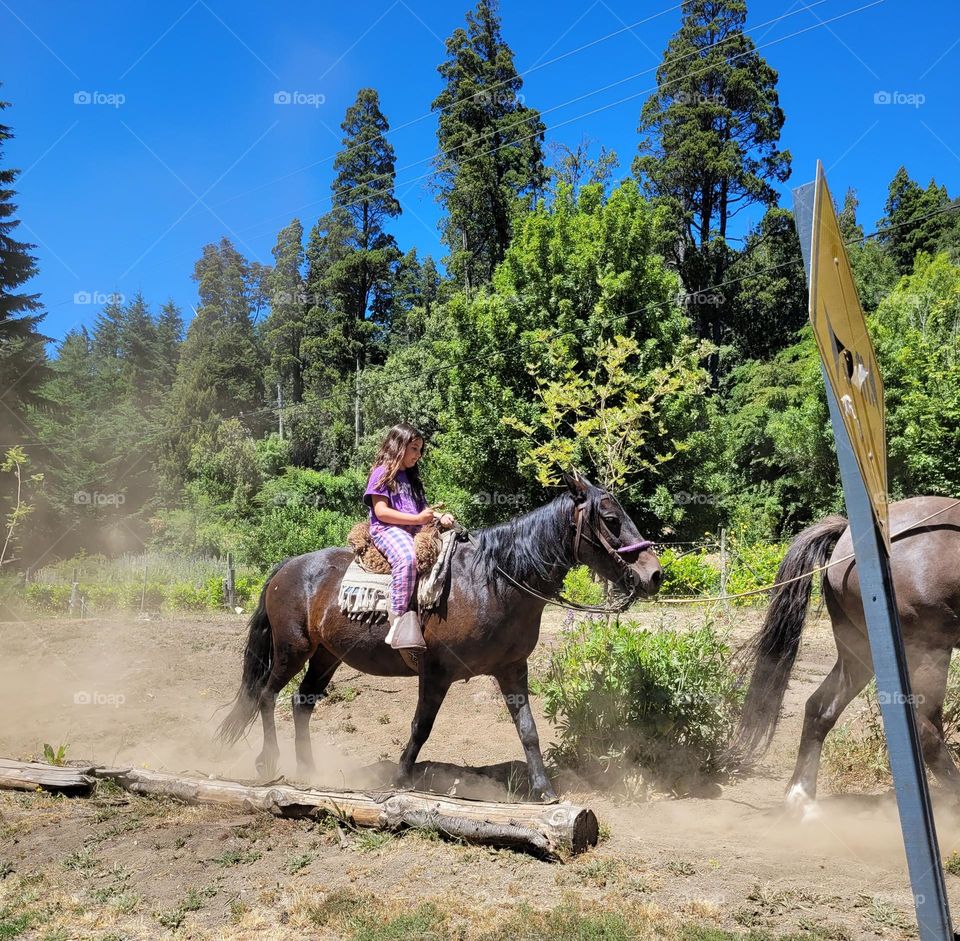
x=399 y=510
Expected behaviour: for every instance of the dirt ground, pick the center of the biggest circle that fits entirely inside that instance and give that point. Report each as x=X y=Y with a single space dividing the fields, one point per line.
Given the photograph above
x=146 y=693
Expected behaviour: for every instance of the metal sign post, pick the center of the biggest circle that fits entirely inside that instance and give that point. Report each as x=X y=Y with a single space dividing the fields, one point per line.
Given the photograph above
x=855 y=397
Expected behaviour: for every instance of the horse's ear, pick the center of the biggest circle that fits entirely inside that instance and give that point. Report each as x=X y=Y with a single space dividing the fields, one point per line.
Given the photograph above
x=576 y=484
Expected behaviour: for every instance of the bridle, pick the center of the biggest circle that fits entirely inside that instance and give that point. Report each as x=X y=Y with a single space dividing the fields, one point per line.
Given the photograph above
x=614 y=552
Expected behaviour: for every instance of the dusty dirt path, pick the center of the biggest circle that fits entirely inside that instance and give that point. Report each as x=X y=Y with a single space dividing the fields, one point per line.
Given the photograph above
x=146 y=693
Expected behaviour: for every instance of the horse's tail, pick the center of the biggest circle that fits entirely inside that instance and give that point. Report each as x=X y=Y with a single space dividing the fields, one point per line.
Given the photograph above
x=257 y=664
x=773 y=651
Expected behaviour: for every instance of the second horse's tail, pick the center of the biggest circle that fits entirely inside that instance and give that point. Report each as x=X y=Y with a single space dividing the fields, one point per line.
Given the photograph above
x=773 y=651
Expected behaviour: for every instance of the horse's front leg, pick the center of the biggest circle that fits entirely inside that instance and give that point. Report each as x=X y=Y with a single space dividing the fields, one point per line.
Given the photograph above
x=434 y=683
x=513 y=684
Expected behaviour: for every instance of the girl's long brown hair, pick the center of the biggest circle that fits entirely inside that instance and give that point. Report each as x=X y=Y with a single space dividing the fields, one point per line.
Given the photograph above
x=391 y=454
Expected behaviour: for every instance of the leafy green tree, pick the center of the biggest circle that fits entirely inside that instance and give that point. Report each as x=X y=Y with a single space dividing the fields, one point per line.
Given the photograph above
x=916 y=331
x=579 y=271
x=23 y=359
x=620 y=419
x=710 y=142
x=490 y=164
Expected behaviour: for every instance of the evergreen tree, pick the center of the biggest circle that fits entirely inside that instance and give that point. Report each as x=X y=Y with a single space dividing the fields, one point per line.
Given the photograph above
x=907 y=218
x=767 y=304
x=490 y=163
x=360 y=280
x=710 y=142
x=219 y=374
x=284 y=329
x=23 y=359
x=169 y=337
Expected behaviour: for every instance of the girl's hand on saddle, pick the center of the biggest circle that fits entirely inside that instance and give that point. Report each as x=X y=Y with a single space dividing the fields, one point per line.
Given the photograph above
x=446 y=520
x=424 y=517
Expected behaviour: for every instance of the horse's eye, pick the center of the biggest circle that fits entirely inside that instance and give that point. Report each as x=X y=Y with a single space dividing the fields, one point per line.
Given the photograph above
x=613 y=523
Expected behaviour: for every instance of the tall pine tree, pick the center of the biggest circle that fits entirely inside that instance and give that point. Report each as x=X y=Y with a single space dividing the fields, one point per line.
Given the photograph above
x=710 y=142
x=490 y=162
x=913 y=220
x=23 y=359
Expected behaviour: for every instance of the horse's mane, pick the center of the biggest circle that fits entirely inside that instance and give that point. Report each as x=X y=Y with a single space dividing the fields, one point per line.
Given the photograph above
x=531 y=546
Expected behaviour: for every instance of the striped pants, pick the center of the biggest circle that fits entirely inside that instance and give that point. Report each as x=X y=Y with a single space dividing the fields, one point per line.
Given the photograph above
x=396 y=543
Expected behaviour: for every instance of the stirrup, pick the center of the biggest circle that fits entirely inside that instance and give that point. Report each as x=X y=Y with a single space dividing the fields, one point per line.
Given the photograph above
x=407 y=634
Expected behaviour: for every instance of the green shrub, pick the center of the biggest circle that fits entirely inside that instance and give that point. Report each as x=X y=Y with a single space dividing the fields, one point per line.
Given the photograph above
x=753 y=566
x=294 y=530
x=624 y=697
x=580 y=587
x=688 y=574
x=48 y=599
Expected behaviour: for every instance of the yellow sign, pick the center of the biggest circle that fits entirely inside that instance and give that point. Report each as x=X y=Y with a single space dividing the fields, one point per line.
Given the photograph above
x=846 y=351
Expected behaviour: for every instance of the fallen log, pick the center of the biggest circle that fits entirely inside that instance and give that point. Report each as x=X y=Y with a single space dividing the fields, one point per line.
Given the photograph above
x=548 y=829
x=31 y=775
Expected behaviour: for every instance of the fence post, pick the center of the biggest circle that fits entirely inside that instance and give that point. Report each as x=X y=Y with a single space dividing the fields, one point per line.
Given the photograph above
x=231 y=583
x=74 y=596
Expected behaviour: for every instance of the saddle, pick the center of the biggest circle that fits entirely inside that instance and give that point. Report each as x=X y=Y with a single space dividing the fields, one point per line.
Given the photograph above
x=364 y=593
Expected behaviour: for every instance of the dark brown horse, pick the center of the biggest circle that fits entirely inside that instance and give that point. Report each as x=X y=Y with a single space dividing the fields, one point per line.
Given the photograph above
x=925 y=563
x=489 y=626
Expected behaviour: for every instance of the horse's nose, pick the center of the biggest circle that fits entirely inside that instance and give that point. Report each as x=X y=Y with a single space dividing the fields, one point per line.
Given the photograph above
x=654 y=580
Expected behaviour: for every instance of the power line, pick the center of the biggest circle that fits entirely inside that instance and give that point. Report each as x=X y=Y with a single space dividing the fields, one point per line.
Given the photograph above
x=485 y=91
x=524 y=121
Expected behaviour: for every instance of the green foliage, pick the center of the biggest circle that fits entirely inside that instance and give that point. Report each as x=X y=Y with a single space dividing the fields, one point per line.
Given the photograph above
x=293 y=530
x=55 y=756
x=688 y=573
x=623 y=696
x=916 y=334
x=579 y=586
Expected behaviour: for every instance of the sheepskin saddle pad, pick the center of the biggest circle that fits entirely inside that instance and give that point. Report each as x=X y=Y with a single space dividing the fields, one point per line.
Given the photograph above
x=365 y=589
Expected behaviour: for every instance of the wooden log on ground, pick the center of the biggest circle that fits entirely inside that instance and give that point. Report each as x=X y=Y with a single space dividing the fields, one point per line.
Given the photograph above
x=549 y=829
x=31 y=775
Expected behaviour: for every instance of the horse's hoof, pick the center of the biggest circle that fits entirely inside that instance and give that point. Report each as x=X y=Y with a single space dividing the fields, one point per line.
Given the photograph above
x=546 y=795
x=800 y=805
x=266 y=769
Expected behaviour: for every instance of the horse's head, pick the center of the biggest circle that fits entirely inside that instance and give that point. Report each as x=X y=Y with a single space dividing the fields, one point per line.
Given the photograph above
x=607 y=541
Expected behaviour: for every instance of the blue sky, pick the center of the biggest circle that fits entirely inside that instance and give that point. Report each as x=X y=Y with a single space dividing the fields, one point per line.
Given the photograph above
x=145 y=131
